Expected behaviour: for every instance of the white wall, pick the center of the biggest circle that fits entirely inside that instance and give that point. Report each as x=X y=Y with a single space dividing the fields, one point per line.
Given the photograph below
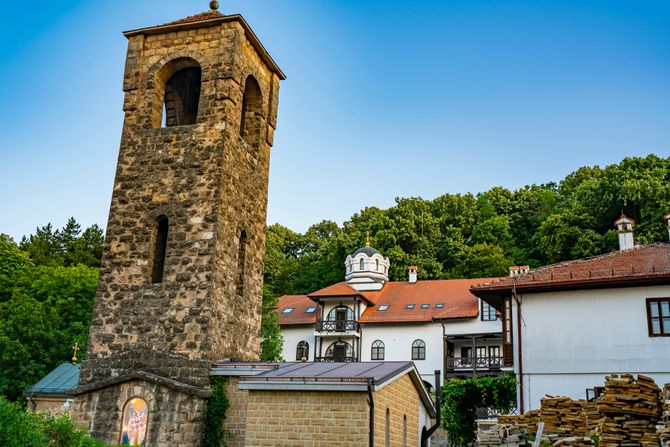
x=572 y=339
x=294 y=335
x=472 y=326
x=398 y=341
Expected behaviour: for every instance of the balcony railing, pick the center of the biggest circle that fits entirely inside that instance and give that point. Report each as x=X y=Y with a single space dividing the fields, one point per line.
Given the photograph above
x=474 y=362
x=334 y=359
x=337 y=326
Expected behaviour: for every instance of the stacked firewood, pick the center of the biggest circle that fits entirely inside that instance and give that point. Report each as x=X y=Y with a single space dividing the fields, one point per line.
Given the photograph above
x=502 y=435
x=664 y=423
x=593 y=417
x=563 y=417
x=630 y=409
x=527 y=422
x=574 y=441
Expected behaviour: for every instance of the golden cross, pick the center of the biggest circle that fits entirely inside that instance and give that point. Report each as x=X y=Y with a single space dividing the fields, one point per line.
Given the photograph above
x=367 y=239
x=74 y=357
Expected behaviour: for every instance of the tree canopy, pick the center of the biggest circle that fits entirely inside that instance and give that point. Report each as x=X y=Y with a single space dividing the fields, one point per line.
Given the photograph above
x=482 y=235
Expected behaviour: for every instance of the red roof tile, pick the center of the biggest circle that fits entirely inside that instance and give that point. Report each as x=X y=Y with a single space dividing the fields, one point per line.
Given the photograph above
x=453 y=293
x=339 y=289
x=208 y=15
x=299 y=303
x=644 y=263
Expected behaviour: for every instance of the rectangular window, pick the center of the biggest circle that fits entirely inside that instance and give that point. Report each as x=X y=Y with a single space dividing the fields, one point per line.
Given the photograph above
x=383 y=308
x=658 y=317
x=481 y=352
x=494 y=351
x=310 y=310
x=409 y=307
x=439 y=306
x=488 y=312
x=288 y=310
x=425 y=306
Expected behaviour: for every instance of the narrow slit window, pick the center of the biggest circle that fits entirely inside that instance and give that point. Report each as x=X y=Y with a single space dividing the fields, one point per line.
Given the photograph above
x=252 y=105
x=160 y=249
x=361 y=265
x=241 y=258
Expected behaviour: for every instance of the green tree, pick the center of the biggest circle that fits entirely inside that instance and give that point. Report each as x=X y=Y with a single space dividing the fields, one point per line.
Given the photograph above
x=271 y=338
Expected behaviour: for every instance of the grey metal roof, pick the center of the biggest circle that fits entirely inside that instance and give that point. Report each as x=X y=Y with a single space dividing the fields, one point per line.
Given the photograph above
x=379 y=372
x=60 y=381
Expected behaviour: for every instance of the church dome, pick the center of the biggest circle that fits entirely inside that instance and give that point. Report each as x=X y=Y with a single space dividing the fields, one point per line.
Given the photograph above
x=367 y=269
x=367 y=250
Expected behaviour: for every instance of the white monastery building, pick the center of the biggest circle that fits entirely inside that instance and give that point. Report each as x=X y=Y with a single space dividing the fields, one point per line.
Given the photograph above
x=567 y=325
x=438 y=324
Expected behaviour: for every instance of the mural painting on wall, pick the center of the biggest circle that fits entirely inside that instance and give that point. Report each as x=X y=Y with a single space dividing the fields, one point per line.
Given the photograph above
x=135 y=418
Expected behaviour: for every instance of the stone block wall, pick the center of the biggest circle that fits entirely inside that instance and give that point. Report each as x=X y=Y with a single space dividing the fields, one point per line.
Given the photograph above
x=236 y=417
x=307 y=419
x=402 y=400
x=179 y=415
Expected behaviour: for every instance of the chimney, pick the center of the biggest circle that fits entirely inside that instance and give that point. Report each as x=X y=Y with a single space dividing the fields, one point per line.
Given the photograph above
x=624 y=226
x=667 y=218
x=518 y=270
x=412 y=274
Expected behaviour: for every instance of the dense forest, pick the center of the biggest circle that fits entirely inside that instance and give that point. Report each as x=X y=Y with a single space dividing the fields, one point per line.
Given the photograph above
x=482 y=235
x=48 y=279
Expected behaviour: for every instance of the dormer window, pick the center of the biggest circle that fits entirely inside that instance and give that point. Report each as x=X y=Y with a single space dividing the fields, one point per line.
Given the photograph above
x=383 y=308
x=409 y=307
x=310 y=310
x=287 y=311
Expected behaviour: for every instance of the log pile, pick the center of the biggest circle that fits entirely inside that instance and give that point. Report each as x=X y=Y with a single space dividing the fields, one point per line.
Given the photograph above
x=563 y=417
x=574 y=441
x=664 y=423
x=630 y=409
x=502 y=435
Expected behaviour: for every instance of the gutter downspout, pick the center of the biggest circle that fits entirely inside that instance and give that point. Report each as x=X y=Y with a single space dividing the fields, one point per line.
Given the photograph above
x=520 y=354
x=438 y=417
x=371 y=402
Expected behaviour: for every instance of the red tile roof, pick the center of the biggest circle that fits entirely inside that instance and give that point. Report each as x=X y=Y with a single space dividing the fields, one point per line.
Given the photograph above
x=453 y=294
x=642 y=264
x=336 y=290
x=208 y=15
x=299 y=303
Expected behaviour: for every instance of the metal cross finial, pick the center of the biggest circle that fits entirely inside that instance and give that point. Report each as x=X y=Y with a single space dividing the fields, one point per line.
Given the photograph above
x=214 y=5
x=74 y=356
x=367 y=239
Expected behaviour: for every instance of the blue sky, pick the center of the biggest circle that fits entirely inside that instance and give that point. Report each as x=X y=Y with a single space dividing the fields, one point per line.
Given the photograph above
x=383 y=98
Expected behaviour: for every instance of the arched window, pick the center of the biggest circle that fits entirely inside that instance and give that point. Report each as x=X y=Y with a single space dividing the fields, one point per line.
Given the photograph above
x=340 y=351
x=303 y=351
x=159 y=249
x=377 y=264
x=404 y=431
x=377 y=350
x=252 y=105
x=387 y=431
x=362 y=264
x=419 y=350
x=241 y=257
x=340 y=313
x=182 y=97
x=134 y=424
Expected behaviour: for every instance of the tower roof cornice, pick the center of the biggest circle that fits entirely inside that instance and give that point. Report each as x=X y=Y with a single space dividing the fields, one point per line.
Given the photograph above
x=207 y=19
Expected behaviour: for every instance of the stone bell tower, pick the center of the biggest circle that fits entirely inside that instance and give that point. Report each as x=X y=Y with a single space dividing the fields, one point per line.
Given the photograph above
x=181 y=277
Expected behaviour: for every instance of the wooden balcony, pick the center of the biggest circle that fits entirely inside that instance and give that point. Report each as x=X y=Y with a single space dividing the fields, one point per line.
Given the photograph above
x=337 y=326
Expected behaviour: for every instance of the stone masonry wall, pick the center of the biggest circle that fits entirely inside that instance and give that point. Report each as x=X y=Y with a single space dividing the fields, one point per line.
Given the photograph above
x=402 y=400
x=211 y=185
x=179 y=415
x=307 y=419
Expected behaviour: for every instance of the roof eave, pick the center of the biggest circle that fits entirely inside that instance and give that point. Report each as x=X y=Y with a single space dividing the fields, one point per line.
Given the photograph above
x=263 y=53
